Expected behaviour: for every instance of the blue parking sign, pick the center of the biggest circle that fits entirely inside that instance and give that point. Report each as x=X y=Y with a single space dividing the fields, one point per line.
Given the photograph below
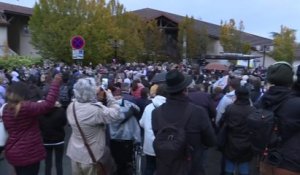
x=77 y=54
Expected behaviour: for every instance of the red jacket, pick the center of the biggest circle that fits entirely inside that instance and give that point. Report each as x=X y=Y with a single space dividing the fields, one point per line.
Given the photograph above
x=24 y=145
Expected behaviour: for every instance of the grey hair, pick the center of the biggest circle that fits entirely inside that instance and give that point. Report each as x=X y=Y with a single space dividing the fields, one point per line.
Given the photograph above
x=85 y=90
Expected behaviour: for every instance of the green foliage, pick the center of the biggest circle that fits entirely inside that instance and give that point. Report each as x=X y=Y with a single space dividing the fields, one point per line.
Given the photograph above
x=246 y=48
x=115 y=8
x=154 y=41
x=97 y=30
x=55 y=22
x=230 y=37
x=203 y=40
x=284 y=45
x=131 y=43
x=18 y=61
x=196 y=39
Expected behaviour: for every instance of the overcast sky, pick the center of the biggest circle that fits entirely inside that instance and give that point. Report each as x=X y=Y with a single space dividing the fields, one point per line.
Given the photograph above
x=260 y=17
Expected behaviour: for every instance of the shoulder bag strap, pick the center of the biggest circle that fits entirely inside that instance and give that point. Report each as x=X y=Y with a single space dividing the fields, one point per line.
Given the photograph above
x=83 y=137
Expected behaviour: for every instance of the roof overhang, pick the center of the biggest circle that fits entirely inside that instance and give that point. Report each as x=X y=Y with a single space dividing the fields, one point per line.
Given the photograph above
x=17 y=13
x=232 y=56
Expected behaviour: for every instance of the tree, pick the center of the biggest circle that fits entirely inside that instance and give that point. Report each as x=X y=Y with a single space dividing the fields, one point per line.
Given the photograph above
x=193 y=42
x=203 y=41
x=231 y=37
x=129 y=27
x=53 y=23
x=284 y=45
x=97 y=28
x=154 y=41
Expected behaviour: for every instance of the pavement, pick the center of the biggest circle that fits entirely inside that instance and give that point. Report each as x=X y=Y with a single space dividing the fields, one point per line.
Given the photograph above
x=7 y=169
x=212 y=167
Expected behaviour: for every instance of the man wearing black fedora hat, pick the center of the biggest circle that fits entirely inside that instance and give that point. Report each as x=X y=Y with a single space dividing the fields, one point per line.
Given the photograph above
x=179 y=113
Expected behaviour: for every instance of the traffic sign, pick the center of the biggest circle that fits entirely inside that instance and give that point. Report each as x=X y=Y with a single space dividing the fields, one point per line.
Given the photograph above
x=77 y=54
x=77 y=42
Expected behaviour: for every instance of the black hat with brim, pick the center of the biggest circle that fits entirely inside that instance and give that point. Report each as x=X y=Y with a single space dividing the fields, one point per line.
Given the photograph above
x=177 y=81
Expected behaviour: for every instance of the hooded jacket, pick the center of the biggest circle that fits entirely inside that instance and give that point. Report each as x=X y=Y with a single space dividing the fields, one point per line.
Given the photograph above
x=289 y=125
x=146 y=123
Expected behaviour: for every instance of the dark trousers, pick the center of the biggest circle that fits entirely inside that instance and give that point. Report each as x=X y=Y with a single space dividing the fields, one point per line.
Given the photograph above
x=150 y=165
x=32 y=169
x=59 y=152
x=1 y=149
x=122 y=152
x=222 y=165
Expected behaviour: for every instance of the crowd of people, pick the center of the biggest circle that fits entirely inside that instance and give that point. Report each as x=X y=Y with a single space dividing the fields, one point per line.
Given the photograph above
x=174 y=112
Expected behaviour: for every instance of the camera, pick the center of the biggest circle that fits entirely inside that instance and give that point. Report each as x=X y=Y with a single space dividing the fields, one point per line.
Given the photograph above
x=104 y=83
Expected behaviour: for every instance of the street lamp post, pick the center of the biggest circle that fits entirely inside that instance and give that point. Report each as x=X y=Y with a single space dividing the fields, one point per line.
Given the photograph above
x=116 y=44
x=264 y=55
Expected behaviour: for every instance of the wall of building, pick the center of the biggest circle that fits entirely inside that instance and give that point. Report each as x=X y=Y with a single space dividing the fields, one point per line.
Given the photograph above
x=3 y=35
x=214 y=47
x=259 y=61
x=13 y=30
x=19 y=36
x=26 y=48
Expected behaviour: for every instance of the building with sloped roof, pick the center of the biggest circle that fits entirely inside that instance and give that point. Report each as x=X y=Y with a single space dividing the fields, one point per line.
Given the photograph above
x=213 y=29
x=15 y=34
x=169 y=22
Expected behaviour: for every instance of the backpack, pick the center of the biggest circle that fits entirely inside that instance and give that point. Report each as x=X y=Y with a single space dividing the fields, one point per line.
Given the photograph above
x=263 y=128
x=170 y=142
x=64 y=96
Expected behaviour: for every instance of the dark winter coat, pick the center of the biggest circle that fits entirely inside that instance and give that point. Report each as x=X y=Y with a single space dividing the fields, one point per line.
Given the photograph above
x=205 y=100
x=255 y=95
x=129 y=97
x=24 y=145
x=237 y=144
x=142 y=103
x=289 y=125
x=35 y=93
x=52 y=125
x=199 y=131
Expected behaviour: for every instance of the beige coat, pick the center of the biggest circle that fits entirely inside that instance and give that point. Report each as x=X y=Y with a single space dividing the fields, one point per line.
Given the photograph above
x=92 y=118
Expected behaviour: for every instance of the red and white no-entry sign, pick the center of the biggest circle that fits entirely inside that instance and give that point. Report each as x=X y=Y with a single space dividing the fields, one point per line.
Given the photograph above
x=77 y=42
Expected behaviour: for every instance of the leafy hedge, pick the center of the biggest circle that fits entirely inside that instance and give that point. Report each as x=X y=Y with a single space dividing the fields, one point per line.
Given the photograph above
x=18 y=61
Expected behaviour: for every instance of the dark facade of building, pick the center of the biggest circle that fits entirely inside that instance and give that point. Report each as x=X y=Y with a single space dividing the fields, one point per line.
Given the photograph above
x=16 y=32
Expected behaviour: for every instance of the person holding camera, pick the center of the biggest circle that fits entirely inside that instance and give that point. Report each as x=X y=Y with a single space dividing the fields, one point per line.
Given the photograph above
x=92 y=117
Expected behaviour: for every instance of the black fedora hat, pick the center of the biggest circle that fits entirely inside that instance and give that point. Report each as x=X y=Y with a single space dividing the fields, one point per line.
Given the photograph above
x=177 y=81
